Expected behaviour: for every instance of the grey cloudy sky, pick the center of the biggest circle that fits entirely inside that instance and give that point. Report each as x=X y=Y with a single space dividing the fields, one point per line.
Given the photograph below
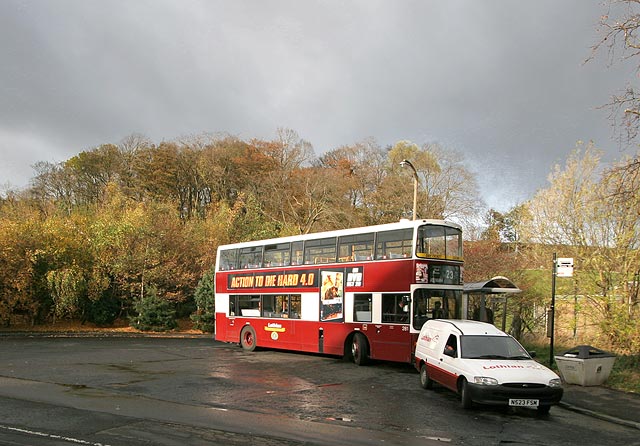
x=501 y=81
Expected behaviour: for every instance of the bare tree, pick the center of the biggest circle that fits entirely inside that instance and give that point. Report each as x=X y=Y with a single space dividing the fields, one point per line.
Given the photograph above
x=619 y=29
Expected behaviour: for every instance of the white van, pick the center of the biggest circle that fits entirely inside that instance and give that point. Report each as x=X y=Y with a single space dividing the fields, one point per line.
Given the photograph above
x=484 y=365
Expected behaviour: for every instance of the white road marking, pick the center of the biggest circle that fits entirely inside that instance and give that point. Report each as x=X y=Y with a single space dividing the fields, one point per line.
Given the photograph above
x=52 y=436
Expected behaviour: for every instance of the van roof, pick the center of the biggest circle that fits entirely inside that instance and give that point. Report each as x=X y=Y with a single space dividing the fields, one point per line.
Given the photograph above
x=466 y=327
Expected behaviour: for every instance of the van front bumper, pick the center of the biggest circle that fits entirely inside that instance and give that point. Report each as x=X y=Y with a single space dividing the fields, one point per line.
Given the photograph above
x=501 y=394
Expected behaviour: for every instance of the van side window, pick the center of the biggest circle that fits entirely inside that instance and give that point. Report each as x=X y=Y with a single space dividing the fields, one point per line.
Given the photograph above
x=451 y=347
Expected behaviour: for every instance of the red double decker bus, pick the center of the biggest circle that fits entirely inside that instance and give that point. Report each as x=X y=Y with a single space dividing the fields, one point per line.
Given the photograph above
x=363 y=293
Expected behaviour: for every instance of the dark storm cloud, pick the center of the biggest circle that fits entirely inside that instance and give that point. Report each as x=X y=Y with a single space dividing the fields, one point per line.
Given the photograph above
x=502 y=82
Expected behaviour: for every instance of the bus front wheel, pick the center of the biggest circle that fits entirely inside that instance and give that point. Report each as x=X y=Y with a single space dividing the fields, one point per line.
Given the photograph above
x=248 y=338
x=359 y=349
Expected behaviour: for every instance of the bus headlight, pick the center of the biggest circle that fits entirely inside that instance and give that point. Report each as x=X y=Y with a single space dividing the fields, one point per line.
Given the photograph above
x=555 y=382
x=485 y=381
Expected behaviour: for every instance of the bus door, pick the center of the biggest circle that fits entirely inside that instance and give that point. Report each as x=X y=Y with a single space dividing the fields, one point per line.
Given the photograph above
x=443 y=302
x=391 y=338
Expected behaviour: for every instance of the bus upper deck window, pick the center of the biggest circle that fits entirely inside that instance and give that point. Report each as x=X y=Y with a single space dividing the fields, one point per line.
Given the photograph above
x=439 y=242
x=250 y=257
x=278 y=254
x=228 y=259
x=394 y=244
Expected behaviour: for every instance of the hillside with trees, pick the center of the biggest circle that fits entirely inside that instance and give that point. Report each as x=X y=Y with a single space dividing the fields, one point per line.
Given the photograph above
x=98 y=235
x=129 y=230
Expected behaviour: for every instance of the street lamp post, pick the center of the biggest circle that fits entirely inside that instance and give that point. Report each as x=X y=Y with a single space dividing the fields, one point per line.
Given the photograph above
x=404 y=163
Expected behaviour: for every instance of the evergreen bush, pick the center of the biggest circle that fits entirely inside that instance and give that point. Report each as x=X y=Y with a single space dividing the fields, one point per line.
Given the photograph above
x=153 y=313
x=205 y=315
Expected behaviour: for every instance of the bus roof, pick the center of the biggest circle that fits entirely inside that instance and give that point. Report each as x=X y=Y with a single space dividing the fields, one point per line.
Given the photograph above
x=402 y=224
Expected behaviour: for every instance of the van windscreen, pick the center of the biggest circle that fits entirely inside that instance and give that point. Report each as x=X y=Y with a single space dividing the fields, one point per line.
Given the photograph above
x=491 y=347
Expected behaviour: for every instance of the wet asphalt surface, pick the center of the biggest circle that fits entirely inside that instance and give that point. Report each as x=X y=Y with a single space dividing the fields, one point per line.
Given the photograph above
x=155 y=391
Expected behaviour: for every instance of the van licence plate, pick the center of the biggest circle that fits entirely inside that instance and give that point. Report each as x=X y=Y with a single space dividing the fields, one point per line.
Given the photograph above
x=520 y=402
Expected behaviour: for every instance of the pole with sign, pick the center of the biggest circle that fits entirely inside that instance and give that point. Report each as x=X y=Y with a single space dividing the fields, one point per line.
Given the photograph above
x=562 y=267
x=552 y=310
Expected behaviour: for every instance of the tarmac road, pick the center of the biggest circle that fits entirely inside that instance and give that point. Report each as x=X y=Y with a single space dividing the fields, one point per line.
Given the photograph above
x=153 y=391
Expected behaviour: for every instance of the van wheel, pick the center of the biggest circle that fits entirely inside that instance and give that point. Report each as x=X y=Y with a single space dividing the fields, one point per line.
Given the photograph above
x=425 y=381
x=248 y=338
x=359 y=349
x=465 y=395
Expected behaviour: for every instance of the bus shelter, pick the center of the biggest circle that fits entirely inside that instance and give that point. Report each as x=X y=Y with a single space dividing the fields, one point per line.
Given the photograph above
x=481 y=299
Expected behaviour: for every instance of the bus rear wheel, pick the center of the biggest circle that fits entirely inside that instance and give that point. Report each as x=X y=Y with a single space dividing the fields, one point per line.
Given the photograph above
x=359 y=349
x=248 y=338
